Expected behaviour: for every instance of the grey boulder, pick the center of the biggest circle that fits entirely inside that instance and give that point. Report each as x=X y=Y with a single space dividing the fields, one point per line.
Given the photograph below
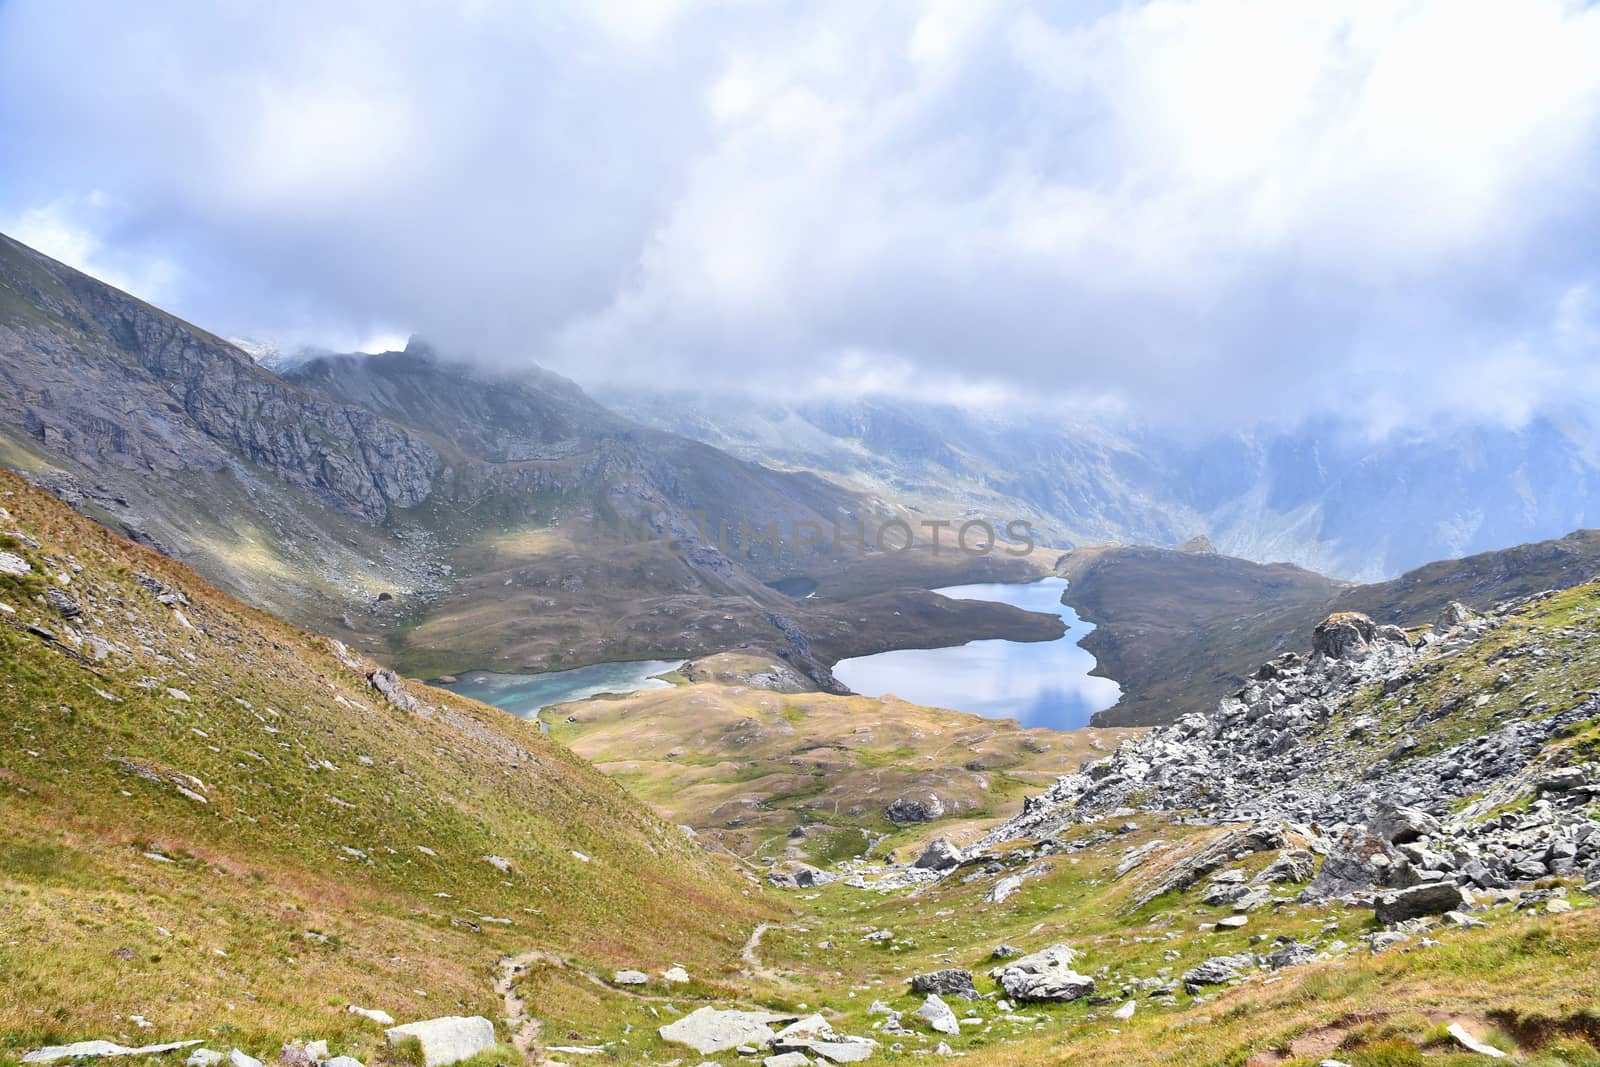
x=947 y=983
x=940 y=855
x=446 y=1040
x=708 y=1030
x=1429 y=898
x=1046 y=975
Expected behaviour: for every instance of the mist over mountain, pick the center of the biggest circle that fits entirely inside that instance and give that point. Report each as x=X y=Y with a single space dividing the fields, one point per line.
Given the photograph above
x=1325 y=495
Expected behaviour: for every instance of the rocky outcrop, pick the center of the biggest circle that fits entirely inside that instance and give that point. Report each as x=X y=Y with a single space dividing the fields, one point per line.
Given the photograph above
x=915 y=809
x=1329 y=740
x=1217 y=970
x=95 y=1050
x=710 y=1030
x=110 y=382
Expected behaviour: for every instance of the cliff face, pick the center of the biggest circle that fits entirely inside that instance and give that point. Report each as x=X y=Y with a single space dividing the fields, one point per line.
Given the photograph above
x=108 y=381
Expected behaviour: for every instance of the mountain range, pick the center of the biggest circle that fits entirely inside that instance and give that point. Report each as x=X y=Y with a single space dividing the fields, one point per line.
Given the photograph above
x=445 y=515
x=1328 y=496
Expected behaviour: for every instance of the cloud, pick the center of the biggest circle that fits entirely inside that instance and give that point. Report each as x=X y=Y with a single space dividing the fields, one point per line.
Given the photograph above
x=1201 y=209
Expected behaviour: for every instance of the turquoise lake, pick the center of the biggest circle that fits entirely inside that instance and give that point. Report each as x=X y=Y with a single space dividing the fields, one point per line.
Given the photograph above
x=526 y=695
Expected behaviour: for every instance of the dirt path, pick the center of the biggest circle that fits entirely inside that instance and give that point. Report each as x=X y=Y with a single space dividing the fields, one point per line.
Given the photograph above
x=749 y=956
x=524 y=1028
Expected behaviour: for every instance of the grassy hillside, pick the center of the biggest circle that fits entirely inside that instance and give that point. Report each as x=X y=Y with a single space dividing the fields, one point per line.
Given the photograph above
x=215 y=823
x=746 y=765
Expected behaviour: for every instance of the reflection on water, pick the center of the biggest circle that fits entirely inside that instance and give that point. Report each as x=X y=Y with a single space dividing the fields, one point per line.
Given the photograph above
x=526 y=695
x=1042 y=683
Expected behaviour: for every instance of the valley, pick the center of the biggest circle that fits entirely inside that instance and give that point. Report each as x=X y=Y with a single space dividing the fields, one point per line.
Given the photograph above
x=448 y=517
x=817 y=799
x=392 y=854
x=688 y=534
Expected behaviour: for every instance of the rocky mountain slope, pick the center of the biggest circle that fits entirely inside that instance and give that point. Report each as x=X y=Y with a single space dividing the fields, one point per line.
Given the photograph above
x=1181 y=629
x=446 y=517
x=222 y=829
x=219 y=826
x=1386 y=851
x=1477 y=736
x=1326 y=496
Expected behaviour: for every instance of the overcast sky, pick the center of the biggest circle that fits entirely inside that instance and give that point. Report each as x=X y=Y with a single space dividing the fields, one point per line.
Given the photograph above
x=1198 y=209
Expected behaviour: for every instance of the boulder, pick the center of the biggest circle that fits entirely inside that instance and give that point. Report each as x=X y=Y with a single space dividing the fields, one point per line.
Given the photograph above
x=1356 y=860
x=816 y=1036
x=1292 y=954
x=630 y=977
x=1454 y=614
x=947 y=983
x=786 y=1059
x=1292 y=865
x=382 y=1018
x=911 y=809
x=937 y=1014
x=393 y=689
x=446 y=1040
x=1046 y=975
x=1562 y=781
x=797 y=875
x=940 y=855
x=1216 y=970
x=1344 y=635
x=1472 y=1044
x=63 y=604
x=99 y=1050
x=15 y=566
x=1399 y=824
x=710 y=1030
x=1429 y=898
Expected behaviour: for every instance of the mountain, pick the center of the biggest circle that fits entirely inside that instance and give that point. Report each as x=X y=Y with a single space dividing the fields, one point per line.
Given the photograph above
x=1327 y=496
x=219 y=824
x=1179 y=630
x=1381 y=851
x=225 y=831
x=444 y=515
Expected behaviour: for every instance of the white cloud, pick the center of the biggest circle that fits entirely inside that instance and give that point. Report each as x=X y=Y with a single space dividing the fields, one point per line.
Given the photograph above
x=1186 y=206
x=64 y=229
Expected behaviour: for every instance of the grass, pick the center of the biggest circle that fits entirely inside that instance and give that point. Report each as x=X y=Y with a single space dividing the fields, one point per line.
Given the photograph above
x=219 y=827
x=287 y=882
x=745 y=765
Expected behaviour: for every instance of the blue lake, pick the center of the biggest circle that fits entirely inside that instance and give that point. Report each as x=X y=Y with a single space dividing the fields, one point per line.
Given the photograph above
x=526 y=695
x=1043 y=683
